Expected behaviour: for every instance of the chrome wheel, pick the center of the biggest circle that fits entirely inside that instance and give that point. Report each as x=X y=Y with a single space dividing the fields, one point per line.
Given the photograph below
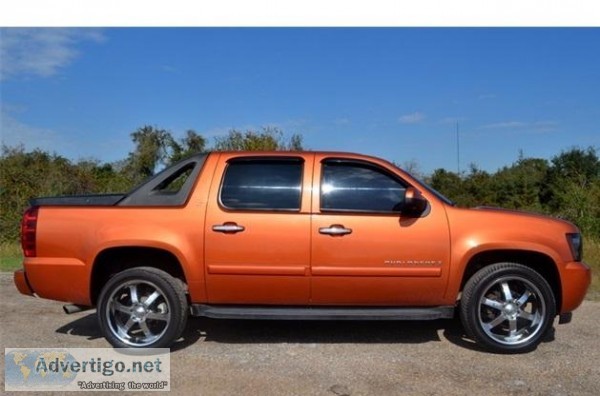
x=511 y=310
x=138 y=313
x=507 y=307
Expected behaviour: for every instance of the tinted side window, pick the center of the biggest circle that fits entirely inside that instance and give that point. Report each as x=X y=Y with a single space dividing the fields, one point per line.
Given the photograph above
x=259 y=184
x=171 y=187
x=357 y=186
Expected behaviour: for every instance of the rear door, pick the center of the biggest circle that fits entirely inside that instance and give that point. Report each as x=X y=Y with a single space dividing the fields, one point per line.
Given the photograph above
x=364 y=251
x=258 y=230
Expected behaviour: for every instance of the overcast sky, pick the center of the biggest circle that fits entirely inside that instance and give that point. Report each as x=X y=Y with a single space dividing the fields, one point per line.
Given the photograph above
x=397 y=93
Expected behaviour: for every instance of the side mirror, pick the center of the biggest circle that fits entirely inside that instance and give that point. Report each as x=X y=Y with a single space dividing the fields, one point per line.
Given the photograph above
x=414 y=204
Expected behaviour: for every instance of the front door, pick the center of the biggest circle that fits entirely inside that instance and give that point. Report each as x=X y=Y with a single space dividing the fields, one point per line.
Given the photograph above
x=257 y=231
x=364 y=252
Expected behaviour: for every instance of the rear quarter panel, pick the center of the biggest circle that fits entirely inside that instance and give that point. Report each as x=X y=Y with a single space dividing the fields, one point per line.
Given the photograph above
x=69 y=239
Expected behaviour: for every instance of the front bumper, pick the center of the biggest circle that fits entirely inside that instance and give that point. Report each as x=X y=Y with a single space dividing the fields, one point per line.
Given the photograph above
x=575 y=279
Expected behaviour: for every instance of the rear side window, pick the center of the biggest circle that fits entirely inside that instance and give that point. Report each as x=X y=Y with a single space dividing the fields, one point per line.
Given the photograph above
x=171 y=187
x=359 y=187
x=262 y=184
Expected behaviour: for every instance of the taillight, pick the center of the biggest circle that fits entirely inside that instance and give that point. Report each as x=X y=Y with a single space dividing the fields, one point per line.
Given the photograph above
x=28 y=228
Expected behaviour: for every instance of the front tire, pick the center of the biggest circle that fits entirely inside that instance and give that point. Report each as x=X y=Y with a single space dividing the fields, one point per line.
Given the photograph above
x=142 y=308
x=507 y=308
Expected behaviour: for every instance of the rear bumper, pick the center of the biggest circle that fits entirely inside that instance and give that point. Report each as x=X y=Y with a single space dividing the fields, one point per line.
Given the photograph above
x=60 y=279
x=20 y=279
x=575 y=278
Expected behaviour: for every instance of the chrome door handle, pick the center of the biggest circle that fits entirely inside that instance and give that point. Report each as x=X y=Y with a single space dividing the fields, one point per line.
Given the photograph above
x=228 y=228
x=334 y=230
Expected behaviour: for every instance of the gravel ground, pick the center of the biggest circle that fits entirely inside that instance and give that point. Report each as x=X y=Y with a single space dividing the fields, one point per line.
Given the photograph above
x=230 y=357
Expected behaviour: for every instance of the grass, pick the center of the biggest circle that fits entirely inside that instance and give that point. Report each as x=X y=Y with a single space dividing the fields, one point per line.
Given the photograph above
x=591 y=255
x=11 y=259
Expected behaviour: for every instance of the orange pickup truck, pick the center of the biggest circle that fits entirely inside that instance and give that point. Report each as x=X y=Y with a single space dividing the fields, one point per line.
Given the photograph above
x=299 y=235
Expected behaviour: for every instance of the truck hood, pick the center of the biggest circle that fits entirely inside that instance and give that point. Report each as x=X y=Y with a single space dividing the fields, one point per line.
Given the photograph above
x=524 y=216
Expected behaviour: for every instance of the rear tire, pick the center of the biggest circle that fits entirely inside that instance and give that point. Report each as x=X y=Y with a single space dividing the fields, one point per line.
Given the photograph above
x=142 y=308
x=507 y=308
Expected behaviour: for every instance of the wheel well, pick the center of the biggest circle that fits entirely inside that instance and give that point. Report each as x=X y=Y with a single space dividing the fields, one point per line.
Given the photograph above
x=114 y=260
x=539 y=262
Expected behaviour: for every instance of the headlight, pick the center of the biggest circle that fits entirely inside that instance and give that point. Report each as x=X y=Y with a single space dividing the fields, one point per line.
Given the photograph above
x=576 y=245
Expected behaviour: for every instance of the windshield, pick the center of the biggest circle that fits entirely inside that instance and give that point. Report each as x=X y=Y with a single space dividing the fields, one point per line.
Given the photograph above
x=438 y=194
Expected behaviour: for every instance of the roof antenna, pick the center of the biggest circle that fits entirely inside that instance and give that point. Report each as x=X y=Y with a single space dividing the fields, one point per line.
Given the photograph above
x=457 y=149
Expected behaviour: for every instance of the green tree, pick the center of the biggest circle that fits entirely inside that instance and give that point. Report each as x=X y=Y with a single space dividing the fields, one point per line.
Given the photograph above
x=575 y=165
x=519 y=186
x=448 y=183
x=478 y=188
x=28 y=174
x=572 y=188
x=192 y=143
x=152 y=148
x=581 y=205
x=267 y=139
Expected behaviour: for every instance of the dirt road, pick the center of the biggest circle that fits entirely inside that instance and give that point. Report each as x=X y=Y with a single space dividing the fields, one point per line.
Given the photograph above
x=332 y=358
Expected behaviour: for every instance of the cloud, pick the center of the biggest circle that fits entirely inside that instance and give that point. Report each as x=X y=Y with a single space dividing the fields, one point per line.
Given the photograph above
x=412 y=118
x=15 y=132
x=486 y=96
x=545 y=126
x=505 y=125
x=452 y=120
x=341 y=121
x=41 y=52
x=168 y=69
x=536 y=126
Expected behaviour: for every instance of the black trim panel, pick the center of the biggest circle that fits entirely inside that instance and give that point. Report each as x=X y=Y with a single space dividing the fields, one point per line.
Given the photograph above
x=321 y=313
x=151 y=193
x=78 y=200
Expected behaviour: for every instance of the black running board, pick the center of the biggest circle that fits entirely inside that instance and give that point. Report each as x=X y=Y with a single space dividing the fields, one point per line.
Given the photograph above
x=321 y=313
